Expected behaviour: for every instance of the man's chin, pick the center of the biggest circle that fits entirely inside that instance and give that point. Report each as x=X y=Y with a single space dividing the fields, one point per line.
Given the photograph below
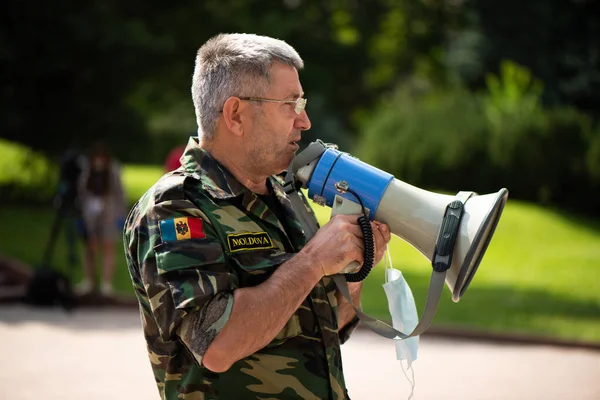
x=286 y=161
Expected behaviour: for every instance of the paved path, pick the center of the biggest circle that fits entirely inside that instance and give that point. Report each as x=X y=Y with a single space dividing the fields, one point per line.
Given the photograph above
x=98 y=355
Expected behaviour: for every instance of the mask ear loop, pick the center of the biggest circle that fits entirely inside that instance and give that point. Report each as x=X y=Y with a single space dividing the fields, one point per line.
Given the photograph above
x=387 y=263
x=412 y=382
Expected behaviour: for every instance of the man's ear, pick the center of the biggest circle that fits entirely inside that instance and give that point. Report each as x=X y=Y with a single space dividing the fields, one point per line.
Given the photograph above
x=232 y=115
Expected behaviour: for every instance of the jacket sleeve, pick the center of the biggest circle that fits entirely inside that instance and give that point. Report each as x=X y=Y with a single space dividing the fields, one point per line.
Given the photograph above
x=189 y=288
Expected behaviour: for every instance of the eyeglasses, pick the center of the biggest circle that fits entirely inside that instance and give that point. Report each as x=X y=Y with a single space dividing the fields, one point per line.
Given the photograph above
x=299 y=103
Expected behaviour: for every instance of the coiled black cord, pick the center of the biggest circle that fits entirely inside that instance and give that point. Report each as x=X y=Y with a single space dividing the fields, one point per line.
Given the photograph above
x=369 y=250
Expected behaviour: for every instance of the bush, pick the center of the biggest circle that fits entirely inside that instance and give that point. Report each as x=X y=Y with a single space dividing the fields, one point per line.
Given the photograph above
x=455 y=140
x=547 y=164
x=592 y=161
x=427 y=140
x=26 y=177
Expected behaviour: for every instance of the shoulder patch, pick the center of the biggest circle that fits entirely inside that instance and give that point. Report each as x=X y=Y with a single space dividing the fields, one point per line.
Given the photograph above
x=249 y=241
x=180 y=229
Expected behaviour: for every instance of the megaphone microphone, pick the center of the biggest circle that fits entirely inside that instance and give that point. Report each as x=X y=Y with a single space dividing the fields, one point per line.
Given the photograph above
x=451 y=231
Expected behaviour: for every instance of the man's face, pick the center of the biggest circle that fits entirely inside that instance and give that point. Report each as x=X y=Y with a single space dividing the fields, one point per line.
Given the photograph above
x=276 y=128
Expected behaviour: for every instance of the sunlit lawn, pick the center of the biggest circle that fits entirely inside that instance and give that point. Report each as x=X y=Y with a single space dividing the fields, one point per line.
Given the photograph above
x=540 y=275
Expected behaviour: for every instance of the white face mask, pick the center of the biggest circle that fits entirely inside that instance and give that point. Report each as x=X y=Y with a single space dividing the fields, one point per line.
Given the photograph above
x=403 y=310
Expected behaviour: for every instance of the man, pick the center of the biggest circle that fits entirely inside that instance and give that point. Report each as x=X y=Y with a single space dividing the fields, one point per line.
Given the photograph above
x=234 y=302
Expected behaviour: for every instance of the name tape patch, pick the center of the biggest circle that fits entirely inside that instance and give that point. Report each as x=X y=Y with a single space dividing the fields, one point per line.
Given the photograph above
x=249 y=241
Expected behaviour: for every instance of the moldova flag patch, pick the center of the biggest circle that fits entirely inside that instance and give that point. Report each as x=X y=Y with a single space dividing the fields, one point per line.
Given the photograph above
x=181 y=228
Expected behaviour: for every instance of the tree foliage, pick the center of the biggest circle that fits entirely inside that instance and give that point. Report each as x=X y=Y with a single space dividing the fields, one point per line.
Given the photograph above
x=77 y=71
x=74 y=72
x=453 y=139
x=557 y=40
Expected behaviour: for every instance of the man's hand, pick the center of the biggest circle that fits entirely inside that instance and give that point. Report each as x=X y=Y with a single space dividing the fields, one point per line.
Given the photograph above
x=381 y=237
x=340 y=242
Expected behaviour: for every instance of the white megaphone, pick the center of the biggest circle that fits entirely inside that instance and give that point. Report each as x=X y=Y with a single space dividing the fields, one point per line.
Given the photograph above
x=421 y=218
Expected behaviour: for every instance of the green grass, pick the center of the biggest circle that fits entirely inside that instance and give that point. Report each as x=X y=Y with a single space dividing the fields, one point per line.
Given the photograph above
x=540 y=275
x=26 y=230
x=137 y=179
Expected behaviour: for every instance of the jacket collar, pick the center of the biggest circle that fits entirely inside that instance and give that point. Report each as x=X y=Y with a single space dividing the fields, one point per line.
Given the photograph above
x=213 y=176
x=219 y=183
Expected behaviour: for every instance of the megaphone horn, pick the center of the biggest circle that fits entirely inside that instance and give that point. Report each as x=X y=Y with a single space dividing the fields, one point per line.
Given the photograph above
x=413 y=214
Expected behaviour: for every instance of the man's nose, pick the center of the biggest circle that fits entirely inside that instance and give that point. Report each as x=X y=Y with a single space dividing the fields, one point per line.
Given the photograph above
x=302 y=121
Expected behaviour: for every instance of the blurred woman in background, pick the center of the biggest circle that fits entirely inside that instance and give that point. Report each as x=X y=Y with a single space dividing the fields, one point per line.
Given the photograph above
x=103 y=210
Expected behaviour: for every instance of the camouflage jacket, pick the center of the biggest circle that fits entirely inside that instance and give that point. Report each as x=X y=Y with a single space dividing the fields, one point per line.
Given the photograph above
x=192 y=239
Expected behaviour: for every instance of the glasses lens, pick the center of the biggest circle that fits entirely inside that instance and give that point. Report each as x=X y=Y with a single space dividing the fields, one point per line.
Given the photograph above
x=300 y=105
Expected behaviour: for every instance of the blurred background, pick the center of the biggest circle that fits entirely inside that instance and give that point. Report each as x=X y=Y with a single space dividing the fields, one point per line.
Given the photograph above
x=446 y=95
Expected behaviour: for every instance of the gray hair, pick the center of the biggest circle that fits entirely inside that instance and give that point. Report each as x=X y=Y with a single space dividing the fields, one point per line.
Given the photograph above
x=235 y=64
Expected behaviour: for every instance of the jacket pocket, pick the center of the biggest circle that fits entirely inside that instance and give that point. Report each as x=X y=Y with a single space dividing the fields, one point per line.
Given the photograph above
x=194 y=270
x=256 y=266
x=291 y=329
x=189 y=253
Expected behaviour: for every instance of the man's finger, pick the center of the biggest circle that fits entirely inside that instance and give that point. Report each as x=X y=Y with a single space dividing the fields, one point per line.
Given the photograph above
x=385 y=232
